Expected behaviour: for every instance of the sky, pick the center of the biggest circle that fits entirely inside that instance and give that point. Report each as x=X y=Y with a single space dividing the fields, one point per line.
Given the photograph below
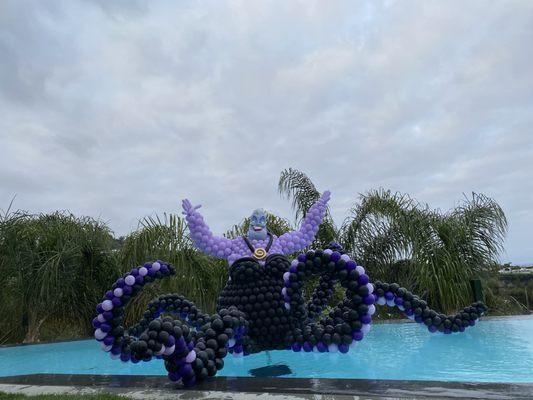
x=120 y=109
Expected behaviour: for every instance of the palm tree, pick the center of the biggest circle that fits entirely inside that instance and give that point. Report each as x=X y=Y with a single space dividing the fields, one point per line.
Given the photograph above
x=297 y=187
x=53 y=268
x=398 y=239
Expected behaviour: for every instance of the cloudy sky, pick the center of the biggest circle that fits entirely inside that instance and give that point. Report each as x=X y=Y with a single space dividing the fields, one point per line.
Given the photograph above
x=119 y=109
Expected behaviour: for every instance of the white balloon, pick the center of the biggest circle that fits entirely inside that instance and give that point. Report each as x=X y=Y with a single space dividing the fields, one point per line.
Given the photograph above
x=160 y=352
x=99 y=334
x=371 y=309
x=170 y=350
x=100 y=318
x=114 y=356
x=370 y=287
x=130 y=280
x=366 y=328
x=118 y=292
x=156 y=266
x=107 y=305
x=143 y=271
x=231 y=342
x=360 y=269
x=345 y=257
x=381 y=301
x=106 y=348
x=333 y=348
x=190 y=357
x=390 y=303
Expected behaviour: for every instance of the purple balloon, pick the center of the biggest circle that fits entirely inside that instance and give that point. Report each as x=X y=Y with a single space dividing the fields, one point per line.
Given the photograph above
x=99 y=308
x=96 y=323
x=108 y=341
x=335 y=256
x=369 y=299
x=302 y=258
x=307 y=347
x=363 y=279
x=350 y=265
x=180 y=343
x=108 y=315
x=343 y=348
x=139 y=279
x=366 y=319
x=432 y=328
x=389 y=295
x=116 y=302
x=127 y=290
x=321 y=347
x=296 y=347
x=134 y=271
x=105 y=327
x=124 y=357
x=357 y=335
x=171 y=341
x=293 y=269
x=120 y=282
x=398 y=301
x=174 y=376
x=109 y=295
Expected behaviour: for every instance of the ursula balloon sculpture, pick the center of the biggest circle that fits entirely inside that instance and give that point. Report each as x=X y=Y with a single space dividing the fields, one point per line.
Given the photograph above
x=262 y=306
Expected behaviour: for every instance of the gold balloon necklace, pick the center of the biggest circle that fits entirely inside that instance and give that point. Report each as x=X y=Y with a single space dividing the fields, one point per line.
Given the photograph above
x=260 y=253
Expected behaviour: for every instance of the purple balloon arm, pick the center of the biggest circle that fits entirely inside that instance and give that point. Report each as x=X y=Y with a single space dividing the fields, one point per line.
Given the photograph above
x=202 y=236
x=298 y=240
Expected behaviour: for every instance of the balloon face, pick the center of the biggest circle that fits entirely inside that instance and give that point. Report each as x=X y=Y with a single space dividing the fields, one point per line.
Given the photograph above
x=258 y=225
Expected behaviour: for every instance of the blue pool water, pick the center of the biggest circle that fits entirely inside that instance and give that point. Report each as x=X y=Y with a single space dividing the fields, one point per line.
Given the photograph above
x=493 y=351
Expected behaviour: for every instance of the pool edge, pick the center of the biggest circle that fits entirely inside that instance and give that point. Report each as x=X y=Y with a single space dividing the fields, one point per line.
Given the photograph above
x=288 y=386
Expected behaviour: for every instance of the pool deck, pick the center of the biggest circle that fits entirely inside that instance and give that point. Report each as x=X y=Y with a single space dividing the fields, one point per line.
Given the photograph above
x=158 y=387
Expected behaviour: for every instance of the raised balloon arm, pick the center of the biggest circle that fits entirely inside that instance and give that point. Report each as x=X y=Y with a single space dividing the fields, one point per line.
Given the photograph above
x=303 y=237
x=202 y=236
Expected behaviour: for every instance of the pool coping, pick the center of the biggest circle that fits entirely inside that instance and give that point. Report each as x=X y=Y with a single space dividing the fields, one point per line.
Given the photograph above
x=291 y=387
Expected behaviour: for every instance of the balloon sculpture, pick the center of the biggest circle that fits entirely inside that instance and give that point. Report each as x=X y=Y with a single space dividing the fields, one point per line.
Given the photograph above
x=262 y=306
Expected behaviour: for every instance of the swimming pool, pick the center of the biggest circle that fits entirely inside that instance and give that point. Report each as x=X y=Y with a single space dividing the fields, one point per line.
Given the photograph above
x=496 y=350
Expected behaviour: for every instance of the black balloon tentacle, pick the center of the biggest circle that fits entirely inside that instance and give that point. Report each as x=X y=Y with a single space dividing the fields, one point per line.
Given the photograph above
x=413 y=307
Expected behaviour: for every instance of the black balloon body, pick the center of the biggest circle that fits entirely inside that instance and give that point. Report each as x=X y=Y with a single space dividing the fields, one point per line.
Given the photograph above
x=261 y=308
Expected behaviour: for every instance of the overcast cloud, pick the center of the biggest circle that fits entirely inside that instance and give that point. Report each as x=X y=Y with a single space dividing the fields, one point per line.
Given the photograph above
x=119 y=109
